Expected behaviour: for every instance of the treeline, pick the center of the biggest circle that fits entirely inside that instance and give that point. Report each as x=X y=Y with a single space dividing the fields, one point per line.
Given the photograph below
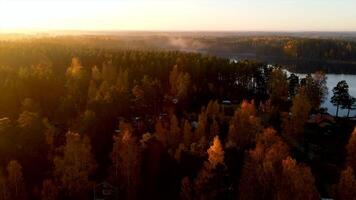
x=283 y=47
x=290 y=47
x=163 y=125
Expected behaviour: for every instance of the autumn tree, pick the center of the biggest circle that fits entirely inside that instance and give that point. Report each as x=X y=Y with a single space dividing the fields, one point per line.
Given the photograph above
x=105 y=92
x=186 y=192
x=152 y=93
x=216 y=153
x=41 y=86
x=174 y=132
x=299 y=114
x=187 y=133
x=50 y=133
x=109 y=72
x=278 y=86
x=179 y=83
x=346 y=188
x=351 y=150
x=244 y=126
x=262 y=166
x=92 y=91
x=75 y=165
x=213 y=109
x=4 y=190
x=173 y=79
x=315 y=88
x=293 y=81
x=96 y=74
x=209 y=183
x=32 y=140
x=183 y=84
x=126 y=159
x=30 y=105
x=28 y=120
x=200 y=131
x=77 y=83
x=297 y=181
x=49 y=190
x=122 y=81
x=269 y=172
x=15 y=181
x=161 y=132
x=214 y=128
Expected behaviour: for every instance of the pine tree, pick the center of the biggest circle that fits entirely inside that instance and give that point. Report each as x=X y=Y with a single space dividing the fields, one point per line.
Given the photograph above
x=341 y=96
x=350 y=105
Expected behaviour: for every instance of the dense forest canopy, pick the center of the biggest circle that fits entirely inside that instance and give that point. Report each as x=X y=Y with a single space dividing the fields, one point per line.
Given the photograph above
x=300 y=53
x=85 y=114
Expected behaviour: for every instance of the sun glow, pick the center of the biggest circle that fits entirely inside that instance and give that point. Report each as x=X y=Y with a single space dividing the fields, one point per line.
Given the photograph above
x=54 y=15
x=20 y=15
x=197 y=15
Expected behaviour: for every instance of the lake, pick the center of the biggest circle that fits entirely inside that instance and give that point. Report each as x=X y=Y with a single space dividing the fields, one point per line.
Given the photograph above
x=332 y=81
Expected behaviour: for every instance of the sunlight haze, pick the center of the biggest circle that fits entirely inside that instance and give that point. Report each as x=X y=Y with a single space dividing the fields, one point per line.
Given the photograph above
x=174 y=15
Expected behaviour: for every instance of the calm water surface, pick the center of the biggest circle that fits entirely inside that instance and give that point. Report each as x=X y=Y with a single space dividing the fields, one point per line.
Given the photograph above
x=332 y=81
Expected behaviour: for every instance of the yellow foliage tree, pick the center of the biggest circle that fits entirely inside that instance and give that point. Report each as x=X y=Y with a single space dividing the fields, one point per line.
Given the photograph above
x=216 y=153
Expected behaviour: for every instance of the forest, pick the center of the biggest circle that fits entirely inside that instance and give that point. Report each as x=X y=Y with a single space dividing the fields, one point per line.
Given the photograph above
x=90 y=118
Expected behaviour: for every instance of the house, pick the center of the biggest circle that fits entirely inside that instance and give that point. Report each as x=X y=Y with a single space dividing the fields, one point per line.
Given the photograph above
x=105 y=191
x=322 y=120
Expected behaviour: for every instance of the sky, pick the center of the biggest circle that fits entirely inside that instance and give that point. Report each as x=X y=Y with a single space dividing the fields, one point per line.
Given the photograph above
x=178 y=15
